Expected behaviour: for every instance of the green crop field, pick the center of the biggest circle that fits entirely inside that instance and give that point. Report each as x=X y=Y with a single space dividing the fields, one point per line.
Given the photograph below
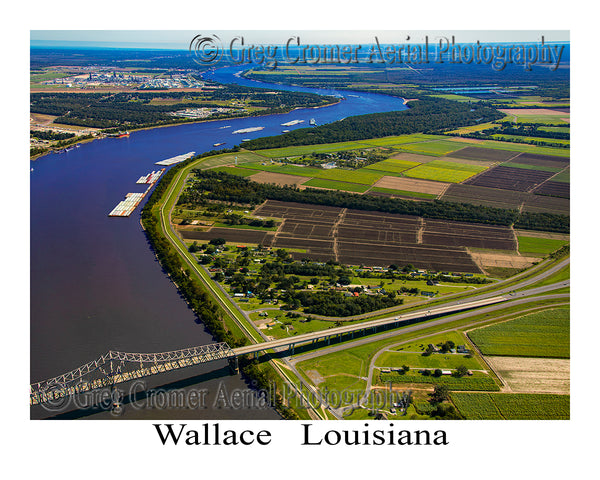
x=539 y=246
x=541 y=334
x=335 y=185
x=401 y=140
x=435 y=148
x=477 y=382
x=444 y=171
x=392 y=166
x=512 y=406
x=524 y=147
x=531 y=167
x=564 y=176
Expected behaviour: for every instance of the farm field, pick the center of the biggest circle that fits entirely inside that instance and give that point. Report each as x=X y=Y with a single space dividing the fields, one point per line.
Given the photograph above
x=541 y=334
x=392 y=166
x=533 y=375
x=373 y=238
x=542 y=160
x=523 y=147
x=436 y=147
x=365 y=177
x=564 y=176
x=335 y=185
x=539 y=246
x=537 y=115
x=412 y=185
x=476 y=153
x=510 y=178
x=554 y=189
x=497 y=406
x=476 y=382
x=400 y=193
x=278 y=178
x=513 y=163
x=443 y=171
x=416 y=360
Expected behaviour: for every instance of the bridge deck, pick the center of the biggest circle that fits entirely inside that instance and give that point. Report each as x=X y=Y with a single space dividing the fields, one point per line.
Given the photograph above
x=307 y=337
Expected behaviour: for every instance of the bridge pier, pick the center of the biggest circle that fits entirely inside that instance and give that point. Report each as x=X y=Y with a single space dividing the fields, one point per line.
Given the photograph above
x=234 y=365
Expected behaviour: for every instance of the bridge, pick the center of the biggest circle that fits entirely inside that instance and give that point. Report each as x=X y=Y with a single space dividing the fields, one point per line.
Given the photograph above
x=119 y=367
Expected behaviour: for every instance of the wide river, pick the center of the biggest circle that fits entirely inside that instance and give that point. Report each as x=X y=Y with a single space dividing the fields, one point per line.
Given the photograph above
x=95 y=283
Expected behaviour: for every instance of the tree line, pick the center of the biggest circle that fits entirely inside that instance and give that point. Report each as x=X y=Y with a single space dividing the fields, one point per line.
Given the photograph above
x=231 y=188
x=425 y=115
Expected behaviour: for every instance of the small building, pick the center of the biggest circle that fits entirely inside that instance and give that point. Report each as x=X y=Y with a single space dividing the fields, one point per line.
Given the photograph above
x=446 y=372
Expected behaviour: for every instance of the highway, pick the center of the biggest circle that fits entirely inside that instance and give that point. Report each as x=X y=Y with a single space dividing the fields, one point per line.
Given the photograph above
x=397 y=320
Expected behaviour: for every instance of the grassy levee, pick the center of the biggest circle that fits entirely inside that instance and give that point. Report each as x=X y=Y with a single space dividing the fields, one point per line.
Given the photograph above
x=239 y=323
x=233 y=319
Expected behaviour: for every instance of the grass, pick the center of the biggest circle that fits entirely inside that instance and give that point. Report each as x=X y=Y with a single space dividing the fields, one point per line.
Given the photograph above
x=435 y=360
x=335 y=185
x=336 y=363
x=512 y=406
x=541 y=334
x=240 y=172
x=444 y=171
x=539 y=246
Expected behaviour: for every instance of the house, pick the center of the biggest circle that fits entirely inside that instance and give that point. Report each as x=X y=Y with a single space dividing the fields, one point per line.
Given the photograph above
x=462 y=349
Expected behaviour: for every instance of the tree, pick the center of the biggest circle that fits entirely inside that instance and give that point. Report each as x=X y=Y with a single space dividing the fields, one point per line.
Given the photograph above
x=461 y=371
x=405 y=368
x=437 y=372
x=440 y=393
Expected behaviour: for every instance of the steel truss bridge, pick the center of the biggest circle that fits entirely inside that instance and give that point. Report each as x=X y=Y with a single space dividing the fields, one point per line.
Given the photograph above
x=118 y=367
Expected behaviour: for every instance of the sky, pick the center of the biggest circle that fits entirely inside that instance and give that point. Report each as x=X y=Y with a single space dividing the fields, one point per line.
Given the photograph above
x=180 y=39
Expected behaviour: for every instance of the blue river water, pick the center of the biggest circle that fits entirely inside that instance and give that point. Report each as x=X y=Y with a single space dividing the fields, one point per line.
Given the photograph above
x=95 y=283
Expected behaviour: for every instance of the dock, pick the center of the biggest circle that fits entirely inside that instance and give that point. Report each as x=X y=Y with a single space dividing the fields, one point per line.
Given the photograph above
x=177 y=159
